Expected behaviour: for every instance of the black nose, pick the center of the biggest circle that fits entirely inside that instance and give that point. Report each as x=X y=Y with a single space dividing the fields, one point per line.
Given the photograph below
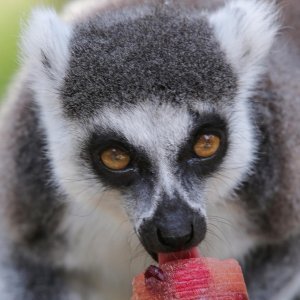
x=174 y=226
x=175 y=240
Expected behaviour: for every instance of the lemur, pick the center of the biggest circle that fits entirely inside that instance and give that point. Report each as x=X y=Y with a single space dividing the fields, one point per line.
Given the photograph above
x=141 y=127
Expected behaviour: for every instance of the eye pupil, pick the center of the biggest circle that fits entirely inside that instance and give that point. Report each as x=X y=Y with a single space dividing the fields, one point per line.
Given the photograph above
x=115 y=159
x=207 y=145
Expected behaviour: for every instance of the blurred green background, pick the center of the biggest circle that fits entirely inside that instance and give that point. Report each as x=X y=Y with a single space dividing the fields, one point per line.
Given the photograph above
x=12 y=14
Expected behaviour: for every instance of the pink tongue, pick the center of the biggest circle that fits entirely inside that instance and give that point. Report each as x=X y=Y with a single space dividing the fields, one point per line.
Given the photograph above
x=167 y=257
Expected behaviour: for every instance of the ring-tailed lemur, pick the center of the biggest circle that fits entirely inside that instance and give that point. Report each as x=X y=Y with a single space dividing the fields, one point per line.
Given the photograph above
x=147 y=125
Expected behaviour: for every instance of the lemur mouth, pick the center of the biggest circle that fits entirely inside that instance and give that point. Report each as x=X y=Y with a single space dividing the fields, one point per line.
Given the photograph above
x=163 y=258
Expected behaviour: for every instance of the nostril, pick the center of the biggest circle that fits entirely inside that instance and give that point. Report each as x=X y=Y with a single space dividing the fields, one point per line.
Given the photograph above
x=175 y=241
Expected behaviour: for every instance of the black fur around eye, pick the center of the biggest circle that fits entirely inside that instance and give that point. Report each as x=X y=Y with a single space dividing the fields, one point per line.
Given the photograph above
x=115 y=161
x=204 y=151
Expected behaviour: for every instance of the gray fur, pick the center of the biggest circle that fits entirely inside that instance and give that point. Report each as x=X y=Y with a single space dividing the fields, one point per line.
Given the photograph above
x=177 y=55
x=274 y=267
x=163 y=57
x=28 y=203
x=264 y=190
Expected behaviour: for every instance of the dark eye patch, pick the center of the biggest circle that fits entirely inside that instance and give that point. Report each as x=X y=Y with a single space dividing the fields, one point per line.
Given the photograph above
x=139 y=162
x=206 y=124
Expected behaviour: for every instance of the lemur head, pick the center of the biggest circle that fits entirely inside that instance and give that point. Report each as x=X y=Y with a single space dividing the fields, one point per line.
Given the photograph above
x=152 y=102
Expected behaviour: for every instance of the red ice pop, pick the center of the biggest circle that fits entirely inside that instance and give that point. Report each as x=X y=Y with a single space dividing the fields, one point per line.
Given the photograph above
x=196 y=278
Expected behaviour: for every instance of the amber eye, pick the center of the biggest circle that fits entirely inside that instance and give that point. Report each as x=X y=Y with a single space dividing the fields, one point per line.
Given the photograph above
x=207 y=145
x=115 y=158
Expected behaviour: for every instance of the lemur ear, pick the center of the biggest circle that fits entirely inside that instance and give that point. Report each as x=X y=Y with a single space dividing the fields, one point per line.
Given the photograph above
x=246 y=30
x=45 y=45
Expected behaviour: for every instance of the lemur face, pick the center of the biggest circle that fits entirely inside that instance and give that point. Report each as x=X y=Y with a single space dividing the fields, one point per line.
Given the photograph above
x=161 y=157
x=152 y=103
